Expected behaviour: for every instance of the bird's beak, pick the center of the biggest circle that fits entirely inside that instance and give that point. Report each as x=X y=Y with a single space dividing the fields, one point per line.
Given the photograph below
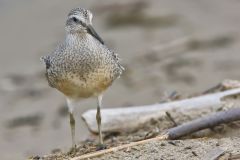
x=91 y=31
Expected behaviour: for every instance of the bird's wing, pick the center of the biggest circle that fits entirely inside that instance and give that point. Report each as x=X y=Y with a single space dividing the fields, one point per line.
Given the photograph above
x=118 y=59
x=46 y=61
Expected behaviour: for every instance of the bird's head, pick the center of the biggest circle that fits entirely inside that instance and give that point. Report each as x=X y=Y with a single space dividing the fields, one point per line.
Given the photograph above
x=79 y=20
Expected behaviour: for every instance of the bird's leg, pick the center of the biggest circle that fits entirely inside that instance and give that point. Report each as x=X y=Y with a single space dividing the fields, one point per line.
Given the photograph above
x=72 y=124
x=98 y=117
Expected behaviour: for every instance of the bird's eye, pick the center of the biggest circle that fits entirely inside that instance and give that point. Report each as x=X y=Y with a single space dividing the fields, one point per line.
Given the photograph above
x=75 y=20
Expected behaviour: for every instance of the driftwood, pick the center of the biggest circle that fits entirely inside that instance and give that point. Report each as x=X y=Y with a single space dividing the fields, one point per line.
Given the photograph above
x=118 y=119
x=179 y=131
x=209 y=121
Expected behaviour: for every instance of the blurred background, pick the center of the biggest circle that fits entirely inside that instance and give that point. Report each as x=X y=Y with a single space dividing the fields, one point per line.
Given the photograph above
x=165 y=45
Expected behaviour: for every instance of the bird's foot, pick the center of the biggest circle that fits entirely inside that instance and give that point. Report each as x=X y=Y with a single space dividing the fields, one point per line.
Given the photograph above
x=73 y=150
x=101 y=147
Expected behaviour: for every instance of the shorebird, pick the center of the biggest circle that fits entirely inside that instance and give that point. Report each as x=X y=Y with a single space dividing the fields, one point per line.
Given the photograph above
x=82 y=66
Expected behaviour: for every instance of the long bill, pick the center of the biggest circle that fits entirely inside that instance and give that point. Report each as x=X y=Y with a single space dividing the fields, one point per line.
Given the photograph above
x=91 y=31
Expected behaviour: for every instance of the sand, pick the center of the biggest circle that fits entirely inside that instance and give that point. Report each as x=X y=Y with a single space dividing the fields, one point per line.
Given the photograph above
x=179 y=149
x=223 y=138
x=34 y=117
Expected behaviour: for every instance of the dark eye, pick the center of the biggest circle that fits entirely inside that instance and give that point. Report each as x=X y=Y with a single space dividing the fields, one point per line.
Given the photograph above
x=75 y=20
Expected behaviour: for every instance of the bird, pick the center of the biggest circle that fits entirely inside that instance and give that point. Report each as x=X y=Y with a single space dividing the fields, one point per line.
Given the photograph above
x=82 y=66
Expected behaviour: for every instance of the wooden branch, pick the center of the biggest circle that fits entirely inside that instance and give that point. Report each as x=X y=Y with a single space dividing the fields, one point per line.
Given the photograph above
x=209 y=121
x=119 y=119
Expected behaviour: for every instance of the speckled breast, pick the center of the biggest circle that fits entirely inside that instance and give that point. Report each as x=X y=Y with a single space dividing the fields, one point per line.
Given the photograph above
x=75 y=86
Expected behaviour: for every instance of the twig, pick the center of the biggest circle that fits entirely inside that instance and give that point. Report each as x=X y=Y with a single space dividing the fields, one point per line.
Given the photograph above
x=212 y=89
x=171 y=119
x=224 y=85
x=114 y=149
x=203 y=123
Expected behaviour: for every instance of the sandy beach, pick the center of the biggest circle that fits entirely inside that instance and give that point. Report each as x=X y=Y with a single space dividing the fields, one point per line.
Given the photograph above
x=165 y=46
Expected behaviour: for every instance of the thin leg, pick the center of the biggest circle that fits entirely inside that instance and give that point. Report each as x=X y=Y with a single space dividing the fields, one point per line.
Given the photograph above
x=98 y=117
x=72 y=121
x=72 y=124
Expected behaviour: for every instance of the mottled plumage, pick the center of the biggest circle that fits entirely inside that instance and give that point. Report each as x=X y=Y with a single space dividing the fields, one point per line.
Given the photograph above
x=81 y=66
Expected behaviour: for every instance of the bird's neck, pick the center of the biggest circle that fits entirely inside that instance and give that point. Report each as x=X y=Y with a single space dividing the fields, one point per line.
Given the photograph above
x=76 y=39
